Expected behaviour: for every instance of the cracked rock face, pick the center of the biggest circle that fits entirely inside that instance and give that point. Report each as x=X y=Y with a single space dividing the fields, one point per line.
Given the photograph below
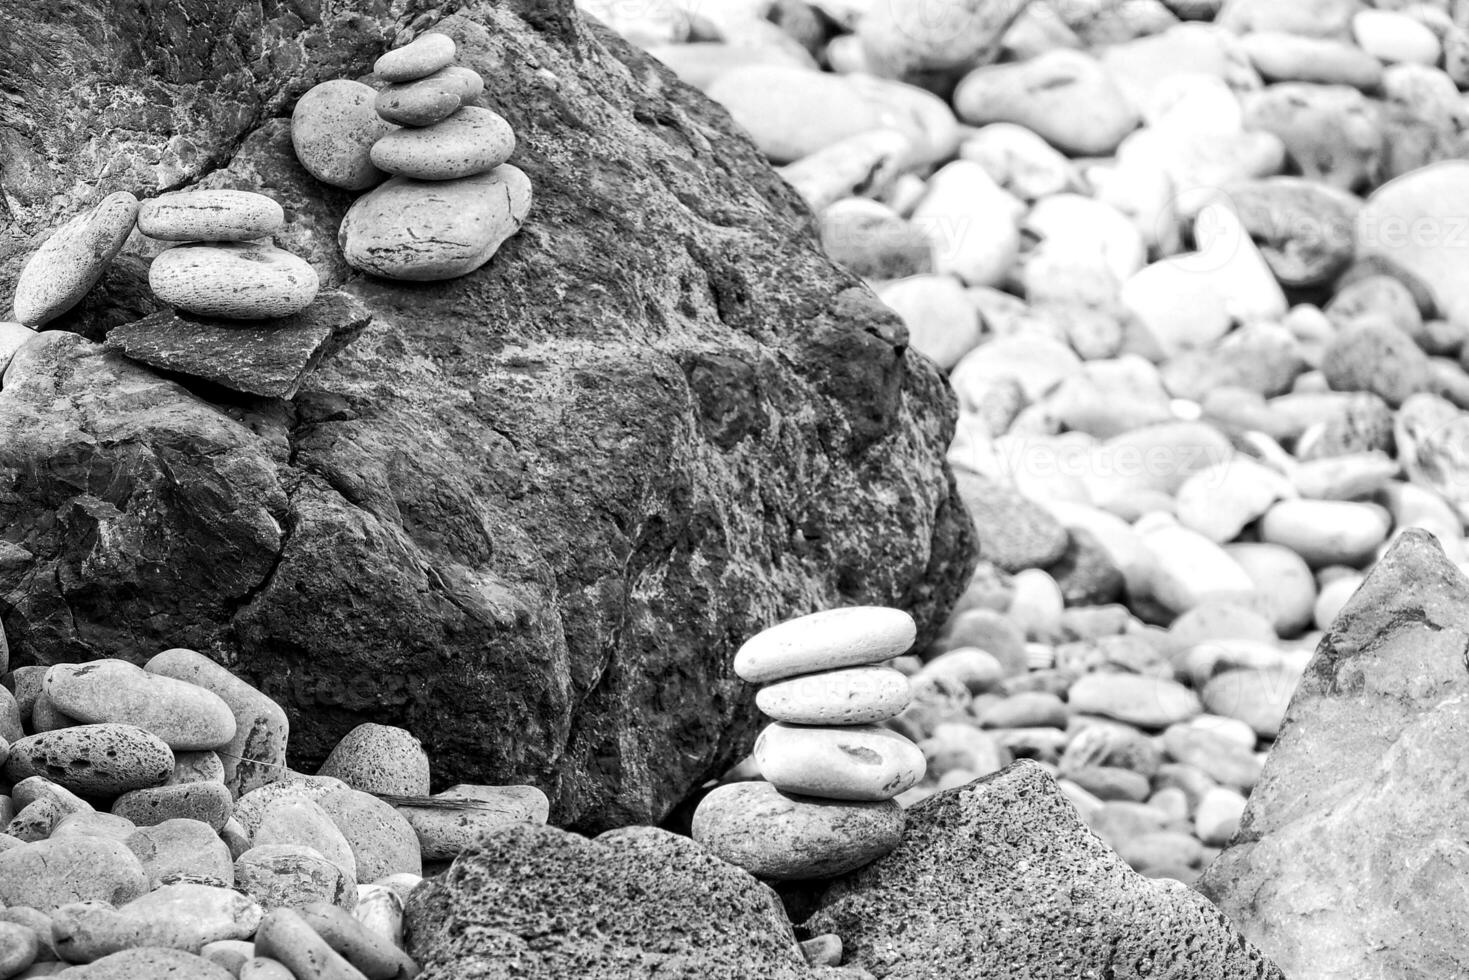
x=527 y=514
x=1350 y=860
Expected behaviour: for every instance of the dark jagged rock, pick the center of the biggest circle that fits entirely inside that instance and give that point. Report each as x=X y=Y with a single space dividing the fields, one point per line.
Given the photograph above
x=258 y=357
x=1349 y=861
x=527 y=514
x=1000 y=879
x=531 y=901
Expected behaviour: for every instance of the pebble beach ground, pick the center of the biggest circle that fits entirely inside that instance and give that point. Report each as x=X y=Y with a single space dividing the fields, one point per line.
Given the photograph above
x=1186 y=266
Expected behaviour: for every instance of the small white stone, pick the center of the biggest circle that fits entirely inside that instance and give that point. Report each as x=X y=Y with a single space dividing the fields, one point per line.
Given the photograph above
x=861 y=762
x=421 y=57
x=853 y=636
x=852 y=696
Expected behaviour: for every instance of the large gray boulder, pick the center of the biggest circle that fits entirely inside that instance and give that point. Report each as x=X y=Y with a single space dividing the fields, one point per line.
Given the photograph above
x=1351 y=858
x=1000 y=879
x=528 y=514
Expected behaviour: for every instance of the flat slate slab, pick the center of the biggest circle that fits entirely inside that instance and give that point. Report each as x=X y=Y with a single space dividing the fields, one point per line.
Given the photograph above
x=257 y=357
x=1351 y=860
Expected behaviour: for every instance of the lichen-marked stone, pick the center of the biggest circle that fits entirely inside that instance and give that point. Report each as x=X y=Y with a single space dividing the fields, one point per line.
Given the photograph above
x=421 y=57
x=775 y=835
x=379 y=759
x=430 y=230
x=333 y=128
x=471 y=141
x=211 y=214
x=69 y=263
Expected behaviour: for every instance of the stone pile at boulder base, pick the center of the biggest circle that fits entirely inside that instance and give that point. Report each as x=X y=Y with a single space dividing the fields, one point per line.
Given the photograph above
x=1183 y=268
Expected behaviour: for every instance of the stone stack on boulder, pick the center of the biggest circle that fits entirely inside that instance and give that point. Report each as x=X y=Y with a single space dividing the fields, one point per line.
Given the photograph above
x=148 y=808
x=831 y=769
x=222 y=268
x=451 y=201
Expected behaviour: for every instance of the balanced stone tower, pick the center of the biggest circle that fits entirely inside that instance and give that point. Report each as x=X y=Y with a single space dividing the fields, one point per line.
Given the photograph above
x=831 y=770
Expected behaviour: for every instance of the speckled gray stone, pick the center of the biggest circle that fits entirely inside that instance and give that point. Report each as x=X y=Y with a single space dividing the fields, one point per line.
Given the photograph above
x=471 y=141
x=333 y=128
x=69 y=263
x=422 y=56
x=100 y=760
x=379 y=759
x=210 y=215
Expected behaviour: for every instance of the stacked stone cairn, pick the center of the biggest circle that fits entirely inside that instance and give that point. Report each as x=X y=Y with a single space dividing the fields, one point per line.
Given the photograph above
x=452 y=199
x=152 y=828
x=831 y=770
x=225 y=265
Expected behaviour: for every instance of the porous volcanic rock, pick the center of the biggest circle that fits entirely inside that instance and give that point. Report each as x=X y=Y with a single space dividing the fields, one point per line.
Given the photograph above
x=537 y=901
x=527 y=514
x=1350 y=861
x=1001 y=879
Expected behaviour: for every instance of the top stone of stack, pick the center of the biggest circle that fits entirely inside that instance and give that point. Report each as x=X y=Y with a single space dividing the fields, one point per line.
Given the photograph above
x=418 y=59
x=850 y=637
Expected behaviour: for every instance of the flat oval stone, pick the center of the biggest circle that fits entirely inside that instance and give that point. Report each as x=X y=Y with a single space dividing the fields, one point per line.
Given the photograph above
x=444 y=829
x=430 y=99
x=48 y=874
x=772 y=835
x=187 y=717
x=93 y=760
x=855 y=696
x=333 y=128
x=421 y=57
x=471 y=141
x=1327 y=532
x=236 y=280
x=850 y=637
x=430 y=230
x=257 y=753
x=382 y=840
x=210 y=913
x=94 y=824
x=152 y=963
x=288 y=938
x=213 y=215
x=206 y=802
x=862 y=762
x=69 y=263
x=1148 y=702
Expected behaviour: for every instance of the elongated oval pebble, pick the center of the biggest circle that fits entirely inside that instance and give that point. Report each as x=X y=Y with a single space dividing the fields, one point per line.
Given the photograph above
x=424 y=55
x=187 y=717
x=430 y=99
x=862 y=762
x=853 y=696
x=69 y=263
x=773 y=835
x=333 y=128
x=93 y=760
x=471 y=141
x=372 y=953
x=850 y=637
x=428 y=230
x=236 y=280
x=213 y=214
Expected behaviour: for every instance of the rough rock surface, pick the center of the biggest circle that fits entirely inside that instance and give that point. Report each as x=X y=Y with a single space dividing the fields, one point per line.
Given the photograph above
x=533 y=901
x=1000 y=879
x=527 y=514
x=1350 y=860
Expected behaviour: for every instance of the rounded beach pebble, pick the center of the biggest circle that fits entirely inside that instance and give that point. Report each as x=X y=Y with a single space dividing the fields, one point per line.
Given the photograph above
x=423 y=56
x=863 y=762
x=430 y=99
x=18 y=948
x=333 y=128
x=375 y=955
x=93 y=760
x=292 y=875
x=430 y=230
x=772 y=835
x=379 y=759
x=51 y=873
x=236 y=280
x=69 y=263
x=214 y=215
x=471 y=141
x=152 y=963
x=855 y=696
x=851 y=637
x=185 y=716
